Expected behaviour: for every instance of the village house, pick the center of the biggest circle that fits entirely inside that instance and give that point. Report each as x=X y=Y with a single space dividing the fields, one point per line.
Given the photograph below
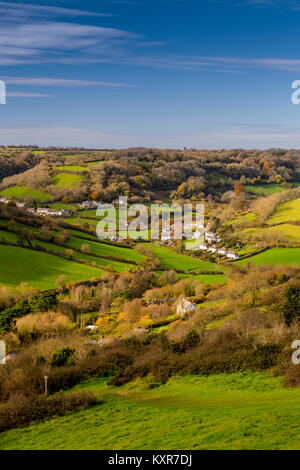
x=211 y=237
x=92 y=327
x=45 y=211
x=5 y=200
x=89 y=204
x=203 y=247
x=21 y=205
x=30 y=210
x=185 y=308
x=165 y=235
x=233 y=256
x=2 y=352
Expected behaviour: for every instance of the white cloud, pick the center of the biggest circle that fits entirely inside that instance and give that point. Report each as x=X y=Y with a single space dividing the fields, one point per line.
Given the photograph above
x=23 y=94
x=64 y=82
x=27 y=10
x=54 y=41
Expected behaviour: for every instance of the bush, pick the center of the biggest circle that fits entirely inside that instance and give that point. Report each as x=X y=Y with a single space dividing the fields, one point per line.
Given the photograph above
x=63 y=357
x=21 y=411
x=291 y=308
x=39 y=302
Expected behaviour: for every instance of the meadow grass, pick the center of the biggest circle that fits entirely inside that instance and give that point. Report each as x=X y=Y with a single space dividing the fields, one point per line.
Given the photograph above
x=289 y=231
x=210 y=279
x=279 y=256
x=67 y=180
x=80 y=222
x=103 y=249
x=234 y=411
x=89 y=258
x=69 y=156
x=39 y=269
x=289 y=211
x=20 y=192
x=62 y=205
x=264 y=189
x=71 y=168
x=242 y=219
x=180 y=261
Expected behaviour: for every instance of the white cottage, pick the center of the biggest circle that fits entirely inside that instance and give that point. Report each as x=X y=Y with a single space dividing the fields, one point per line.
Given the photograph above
x=2 y=352
x=185 y=308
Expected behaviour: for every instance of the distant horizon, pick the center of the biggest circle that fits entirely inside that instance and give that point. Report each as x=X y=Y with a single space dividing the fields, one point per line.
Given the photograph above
x=181 y=149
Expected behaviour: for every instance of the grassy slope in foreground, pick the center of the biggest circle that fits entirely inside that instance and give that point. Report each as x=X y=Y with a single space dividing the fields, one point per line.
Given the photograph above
x=280 y=256
x=21 y=191
x=39 y=269
x=234 y=411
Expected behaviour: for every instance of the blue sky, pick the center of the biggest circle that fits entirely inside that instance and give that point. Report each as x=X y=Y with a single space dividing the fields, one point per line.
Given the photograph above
x=160 y=73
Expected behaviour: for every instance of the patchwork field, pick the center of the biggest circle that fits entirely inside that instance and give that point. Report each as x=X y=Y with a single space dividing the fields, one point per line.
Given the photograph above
x=175 y=260
x=20 y=192
x=234 y=411
x=103 y=249
x=280 y=256
x=98 y=249
x=39 y=269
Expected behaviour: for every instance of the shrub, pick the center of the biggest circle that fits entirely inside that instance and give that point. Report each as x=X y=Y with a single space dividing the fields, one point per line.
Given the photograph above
x=21 y=411
x=291 y=307
x=63 y=357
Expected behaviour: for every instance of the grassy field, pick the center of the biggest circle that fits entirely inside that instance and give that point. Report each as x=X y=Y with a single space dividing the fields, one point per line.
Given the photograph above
x=71 y=168
x=103 y=249
x=234 y=411
x=39 y=269
x=20 y=192
x=243 y=219
x=67 y=180
x=62 y=205
x=289 y=211
x=289 y=231
x=180 y=261
x=69 y=156
x=280 y=256
x=80 y=222
x=210 y=279
x=264 y=189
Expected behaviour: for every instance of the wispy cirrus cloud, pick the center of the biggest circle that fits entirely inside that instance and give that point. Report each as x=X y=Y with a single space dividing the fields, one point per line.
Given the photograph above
x=21 y=11
x=36 y=39
x=215 y=64
x=59 y=82
x=22 y=94
x=55 y=41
